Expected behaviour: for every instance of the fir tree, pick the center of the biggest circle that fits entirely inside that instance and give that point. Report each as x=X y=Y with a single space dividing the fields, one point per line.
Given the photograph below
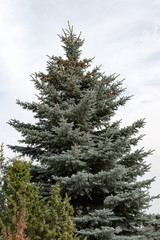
x=27 y=216
x=14 y=189
x=76 y=143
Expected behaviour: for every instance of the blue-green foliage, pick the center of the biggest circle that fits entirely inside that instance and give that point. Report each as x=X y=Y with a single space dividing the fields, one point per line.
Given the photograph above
x=76 y=143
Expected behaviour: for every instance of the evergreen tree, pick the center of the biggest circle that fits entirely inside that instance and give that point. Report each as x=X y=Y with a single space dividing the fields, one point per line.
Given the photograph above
x=27 y=216
x=14 y=189
x=76 y=142
x=2 y=197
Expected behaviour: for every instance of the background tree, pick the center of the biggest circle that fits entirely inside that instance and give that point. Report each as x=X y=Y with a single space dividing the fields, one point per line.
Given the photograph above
x=14 y=189
x=27 y=216
x=76 y=142
x=2 y=196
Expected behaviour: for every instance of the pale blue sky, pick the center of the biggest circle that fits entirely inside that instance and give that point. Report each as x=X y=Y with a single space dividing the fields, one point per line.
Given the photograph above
x=122 y=35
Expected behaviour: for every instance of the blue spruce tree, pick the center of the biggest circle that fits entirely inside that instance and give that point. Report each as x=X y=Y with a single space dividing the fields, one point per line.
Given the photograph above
x=76 y=143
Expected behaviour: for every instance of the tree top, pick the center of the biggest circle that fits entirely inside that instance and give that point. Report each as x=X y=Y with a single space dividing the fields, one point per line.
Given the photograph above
x=71 y=43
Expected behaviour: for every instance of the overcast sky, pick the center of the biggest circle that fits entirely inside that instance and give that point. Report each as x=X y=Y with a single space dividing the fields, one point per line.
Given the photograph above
x=122 y=35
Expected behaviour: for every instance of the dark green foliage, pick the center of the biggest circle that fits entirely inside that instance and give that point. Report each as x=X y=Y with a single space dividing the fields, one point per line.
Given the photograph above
x=25 y=212
x=76 y=143
x=14 y=188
